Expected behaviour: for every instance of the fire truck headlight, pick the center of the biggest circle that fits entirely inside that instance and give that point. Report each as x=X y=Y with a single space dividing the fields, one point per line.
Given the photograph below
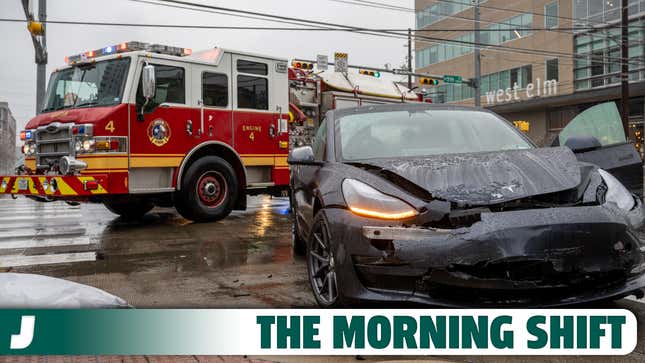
x=88 y=145
x=78 y=146
x=29 y=149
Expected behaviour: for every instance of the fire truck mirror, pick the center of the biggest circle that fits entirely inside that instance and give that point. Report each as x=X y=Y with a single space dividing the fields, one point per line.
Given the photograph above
x=149 y=82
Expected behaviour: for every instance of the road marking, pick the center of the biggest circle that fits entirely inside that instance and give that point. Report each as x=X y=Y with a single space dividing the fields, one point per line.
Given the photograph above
x=54 y=259
x=42 y=218
x=54 y=242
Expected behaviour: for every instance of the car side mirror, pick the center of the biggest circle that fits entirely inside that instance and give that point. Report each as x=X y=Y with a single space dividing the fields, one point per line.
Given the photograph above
x=303 y=155
x=579 y=144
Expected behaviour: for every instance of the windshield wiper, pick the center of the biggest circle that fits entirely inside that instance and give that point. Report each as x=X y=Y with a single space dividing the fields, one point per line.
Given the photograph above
x=85 y=104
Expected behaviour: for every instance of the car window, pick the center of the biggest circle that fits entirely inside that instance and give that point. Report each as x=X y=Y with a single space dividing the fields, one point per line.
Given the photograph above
x=170 y=87
x=320 y=141
x=600 y=121
x=423 y=132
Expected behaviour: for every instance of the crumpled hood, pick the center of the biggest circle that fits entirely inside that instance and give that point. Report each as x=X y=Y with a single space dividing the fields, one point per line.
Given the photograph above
x=491 y=177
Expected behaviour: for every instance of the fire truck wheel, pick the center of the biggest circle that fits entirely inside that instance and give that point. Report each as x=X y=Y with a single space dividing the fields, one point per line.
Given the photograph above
x=129 y=209
x=208 y=191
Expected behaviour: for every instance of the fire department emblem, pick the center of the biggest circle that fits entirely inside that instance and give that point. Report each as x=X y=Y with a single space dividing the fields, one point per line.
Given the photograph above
x=159 y=132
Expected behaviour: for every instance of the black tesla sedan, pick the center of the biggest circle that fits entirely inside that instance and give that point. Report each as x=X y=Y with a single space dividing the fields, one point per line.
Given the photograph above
x=453 y=206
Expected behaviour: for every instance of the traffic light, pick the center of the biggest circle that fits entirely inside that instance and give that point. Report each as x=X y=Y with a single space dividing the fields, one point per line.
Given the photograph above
x=35 y=27
x=302 y=65
x=428 y=81
x=369 y=72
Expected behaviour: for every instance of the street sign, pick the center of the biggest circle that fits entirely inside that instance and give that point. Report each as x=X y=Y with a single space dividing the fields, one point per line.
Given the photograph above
x=452 y=79
x=340 y=62
x=322 y=62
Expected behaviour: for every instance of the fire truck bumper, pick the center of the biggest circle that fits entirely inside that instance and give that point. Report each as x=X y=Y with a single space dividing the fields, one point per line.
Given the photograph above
x=55 y=186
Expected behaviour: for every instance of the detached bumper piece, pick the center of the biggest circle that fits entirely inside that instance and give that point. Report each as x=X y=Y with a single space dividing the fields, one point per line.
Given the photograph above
x=55 y=186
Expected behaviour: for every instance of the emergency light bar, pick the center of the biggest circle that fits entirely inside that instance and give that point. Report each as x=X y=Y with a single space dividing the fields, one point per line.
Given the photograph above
x=127 y=47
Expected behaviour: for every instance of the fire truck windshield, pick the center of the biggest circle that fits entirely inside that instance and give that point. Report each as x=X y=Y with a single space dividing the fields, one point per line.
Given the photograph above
x=87 y=85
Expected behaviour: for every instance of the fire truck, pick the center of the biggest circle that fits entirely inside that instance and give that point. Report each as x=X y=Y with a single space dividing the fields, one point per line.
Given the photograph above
x=137 y=125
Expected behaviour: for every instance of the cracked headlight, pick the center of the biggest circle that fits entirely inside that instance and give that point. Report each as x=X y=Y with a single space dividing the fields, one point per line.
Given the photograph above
x=366 y=201
x=616 y=192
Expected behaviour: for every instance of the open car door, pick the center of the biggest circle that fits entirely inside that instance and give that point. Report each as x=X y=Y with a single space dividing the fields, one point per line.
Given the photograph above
x=596 y=136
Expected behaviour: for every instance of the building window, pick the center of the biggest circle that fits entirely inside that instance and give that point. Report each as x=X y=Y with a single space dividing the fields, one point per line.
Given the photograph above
x=214 y=89
x=252 y=92
x=552 y=69
x=507 y=30
x=441 y=10
x=598 y=55
x=593 y=12
x=551 y=15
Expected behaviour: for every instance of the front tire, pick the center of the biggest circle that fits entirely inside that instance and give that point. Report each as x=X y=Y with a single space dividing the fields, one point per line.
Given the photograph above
x=298 y=243
x=321 y=265
x=209 y=190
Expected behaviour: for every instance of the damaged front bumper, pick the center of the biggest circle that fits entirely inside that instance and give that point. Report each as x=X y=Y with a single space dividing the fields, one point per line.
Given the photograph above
x=539 y=257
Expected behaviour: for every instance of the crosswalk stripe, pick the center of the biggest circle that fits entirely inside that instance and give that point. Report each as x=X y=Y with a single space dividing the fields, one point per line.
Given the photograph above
x=44 y=233
x=41 y=218
x=21 y=260
x=52 y=242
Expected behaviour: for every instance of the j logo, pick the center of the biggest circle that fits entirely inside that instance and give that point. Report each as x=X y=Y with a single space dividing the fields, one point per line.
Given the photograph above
x=23 y=340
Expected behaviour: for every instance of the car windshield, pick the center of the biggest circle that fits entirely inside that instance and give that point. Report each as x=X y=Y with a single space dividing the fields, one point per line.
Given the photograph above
x=87 y=85
x=393 y=134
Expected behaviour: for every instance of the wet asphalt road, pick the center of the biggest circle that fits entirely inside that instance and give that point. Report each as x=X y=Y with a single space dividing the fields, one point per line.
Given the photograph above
x=165 y=261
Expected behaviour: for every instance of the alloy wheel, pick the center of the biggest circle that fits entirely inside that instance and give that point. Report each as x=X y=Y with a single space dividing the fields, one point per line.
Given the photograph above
x=322 y=273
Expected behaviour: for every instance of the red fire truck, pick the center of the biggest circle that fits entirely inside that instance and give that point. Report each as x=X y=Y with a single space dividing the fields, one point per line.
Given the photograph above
x=135 y=125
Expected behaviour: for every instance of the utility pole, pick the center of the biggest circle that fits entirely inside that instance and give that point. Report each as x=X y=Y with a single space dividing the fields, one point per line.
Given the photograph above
x=38 y=38
x=625 y=66
x=409 y=58
x=478 y=59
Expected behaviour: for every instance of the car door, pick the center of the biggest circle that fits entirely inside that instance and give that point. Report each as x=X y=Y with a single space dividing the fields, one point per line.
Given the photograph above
x=307 y=180
x=612 y=151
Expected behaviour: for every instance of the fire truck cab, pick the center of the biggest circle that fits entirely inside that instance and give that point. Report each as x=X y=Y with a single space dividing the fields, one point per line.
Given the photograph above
x=136 y=125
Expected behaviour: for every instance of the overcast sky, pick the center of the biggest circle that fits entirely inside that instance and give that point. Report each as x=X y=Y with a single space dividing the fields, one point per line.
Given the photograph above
x=18 y=70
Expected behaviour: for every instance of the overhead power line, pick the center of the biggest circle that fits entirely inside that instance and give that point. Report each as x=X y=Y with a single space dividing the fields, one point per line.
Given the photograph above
x=374 y=4
x=367 y=31
x=483 y=6
x=223 y=27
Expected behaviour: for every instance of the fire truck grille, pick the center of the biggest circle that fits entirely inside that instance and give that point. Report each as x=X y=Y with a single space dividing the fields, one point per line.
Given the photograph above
x=51 y=145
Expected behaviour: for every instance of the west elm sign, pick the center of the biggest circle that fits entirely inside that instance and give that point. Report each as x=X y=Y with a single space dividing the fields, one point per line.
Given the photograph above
x=537 y=89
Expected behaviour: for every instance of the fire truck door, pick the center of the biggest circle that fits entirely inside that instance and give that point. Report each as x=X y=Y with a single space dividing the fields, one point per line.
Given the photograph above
x=161 y=133
x=211 y=90
x=255 y=118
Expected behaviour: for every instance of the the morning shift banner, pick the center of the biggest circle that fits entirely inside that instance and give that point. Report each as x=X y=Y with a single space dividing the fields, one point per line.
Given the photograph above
x=310 y=332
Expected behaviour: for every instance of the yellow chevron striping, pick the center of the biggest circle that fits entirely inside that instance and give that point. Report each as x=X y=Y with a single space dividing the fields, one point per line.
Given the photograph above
x=100 y=189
